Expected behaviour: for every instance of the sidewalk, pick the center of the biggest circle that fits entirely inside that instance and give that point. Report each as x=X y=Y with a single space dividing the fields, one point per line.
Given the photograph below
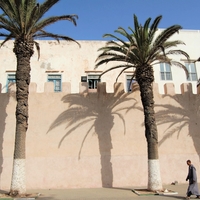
x=109 y=194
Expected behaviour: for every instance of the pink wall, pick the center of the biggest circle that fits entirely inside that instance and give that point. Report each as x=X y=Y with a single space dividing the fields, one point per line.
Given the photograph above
x=97 y=139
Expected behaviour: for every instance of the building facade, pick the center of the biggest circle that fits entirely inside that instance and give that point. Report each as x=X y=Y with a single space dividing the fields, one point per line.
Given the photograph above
x=66 y=62
x=77 y=138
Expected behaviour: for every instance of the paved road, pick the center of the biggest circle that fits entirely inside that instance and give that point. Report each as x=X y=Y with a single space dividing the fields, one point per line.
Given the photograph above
x=110 y=194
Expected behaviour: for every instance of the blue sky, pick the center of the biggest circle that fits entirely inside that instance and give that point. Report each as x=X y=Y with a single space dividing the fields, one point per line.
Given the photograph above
x=97 y=17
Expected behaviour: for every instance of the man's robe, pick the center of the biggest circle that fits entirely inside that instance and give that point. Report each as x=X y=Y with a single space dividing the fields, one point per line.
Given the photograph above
x=193 y=185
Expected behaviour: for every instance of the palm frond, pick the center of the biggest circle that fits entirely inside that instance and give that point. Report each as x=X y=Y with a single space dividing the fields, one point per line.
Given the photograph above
x=8 y=25
x=45 y=7
x=166 y=34
x=43 y=23
x=160 y=58
x=123 y=32
x=115 y=57
x=10 y=11
x=44 y=34
x=172 y=44
x=178 y=52
x=154 y=28
x=125 y=67
x=28 y=9
x=8 y=37
x=107 y=49
x=112 y=68
x=178 y=64
x=31 y=17
x=114 y=37
x=38 y=48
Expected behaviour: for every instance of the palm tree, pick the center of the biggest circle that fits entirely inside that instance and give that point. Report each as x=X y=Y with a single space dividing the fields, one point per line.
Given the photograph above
x=140 y=51
x=22 y=20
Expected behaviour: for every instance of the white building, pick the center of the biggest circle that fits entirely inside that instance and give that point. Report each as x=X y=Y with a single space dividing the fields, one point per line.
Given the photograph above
x=66 y=62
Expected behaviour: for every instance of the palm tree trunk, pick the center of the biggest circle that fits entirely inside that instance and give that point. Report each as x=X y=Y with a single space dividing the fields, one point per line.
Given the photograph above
x=145 y=80
x=23 y=52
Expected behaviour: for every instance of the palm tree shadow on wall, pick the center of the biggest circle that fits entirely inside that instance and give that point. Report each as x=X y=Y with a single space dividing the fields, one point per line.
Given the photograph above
x=4 y=101
x=99 y=108
x=187 y=113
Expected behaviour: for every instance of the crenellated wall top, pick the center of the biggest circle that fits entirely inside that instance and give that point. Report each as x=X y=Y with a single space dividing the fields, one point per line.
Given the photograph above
x=101 y=88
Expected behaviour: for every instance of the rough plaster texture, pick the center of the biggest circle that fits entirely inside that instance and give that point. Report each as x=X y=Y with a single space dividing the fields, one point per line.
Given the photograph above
x=97 y=139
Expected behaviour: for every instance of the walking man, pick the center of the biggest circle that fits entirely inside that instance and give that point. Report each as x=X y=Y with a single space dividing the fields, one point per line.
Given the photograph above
x=193 y=185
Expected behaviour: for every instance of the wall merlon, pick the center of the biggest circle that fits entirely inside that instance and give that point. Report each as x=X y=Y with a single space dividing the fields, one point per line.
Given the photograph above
x=32 y=88
x=155 y=87
x=198 y=89
x=49 y=87
x=83 y=87
x=11 y=88
x=118 y=88
x=66 y=87
x=169 y=88
x=186 y=87
x=101 y=88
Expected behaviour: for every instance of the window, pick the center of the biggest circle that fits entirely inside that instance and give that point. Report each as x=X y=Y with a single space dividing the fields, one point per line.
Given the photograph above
x=92 y=81
x=10 y=79
x=56 y=79
x=165 y=71
x=83 y=78
x=192 y=71
x=129 y=82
